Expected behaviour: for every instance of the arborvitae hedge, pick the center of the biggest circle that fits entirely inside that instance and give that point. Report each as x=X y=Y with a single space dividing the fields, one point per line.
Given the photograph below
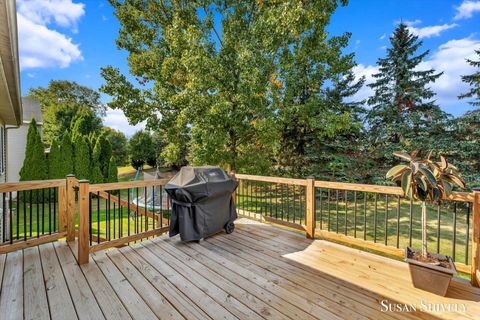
x=96 y=176
x=35 y=164
x=82 y=158
x=66 y=156
x=112 y=170
x=102 y=152
x=54 y=161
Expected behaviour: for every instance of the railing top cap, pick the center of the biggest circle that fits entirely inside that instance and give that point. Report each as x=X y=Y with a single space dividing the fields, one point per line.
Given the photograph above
x=83 y=181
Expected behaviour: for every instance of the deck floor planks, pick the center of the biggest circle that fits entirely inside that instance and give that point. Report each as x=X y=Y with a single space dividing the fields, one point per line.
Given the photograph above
x=229 y=302
x=59 y=300
x=11 y=298
x=210 y=306
x=185 y=306
x=385 y=279
x=35 y=294
x=259 y=271
x=80 y=292
x=259 y=306
x=152 y=297
x=132 y=301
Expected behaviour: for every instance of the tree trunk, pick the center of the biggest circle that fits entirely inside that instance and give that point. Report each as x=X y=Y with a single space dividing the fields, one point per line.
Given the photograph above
x=424 y=230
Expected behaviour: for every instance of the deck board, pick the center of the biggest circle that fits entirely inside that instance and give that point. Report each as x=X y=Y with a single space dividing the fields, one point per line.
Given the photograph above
x=258 y=272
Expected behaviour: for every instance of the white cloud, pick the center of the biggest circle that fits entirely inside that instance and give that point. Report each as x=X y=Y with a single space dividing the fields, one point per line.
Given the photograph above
x=64 y=13
x=450 y=58
x=430 y=31
x=116 y=119
x=467 y=9
x=382 y=36
x=40 y=45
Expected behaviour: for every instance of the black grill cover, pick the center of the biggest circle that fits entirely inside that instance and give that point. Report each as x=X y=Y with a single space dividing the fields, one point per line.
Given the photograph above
x=202 y=202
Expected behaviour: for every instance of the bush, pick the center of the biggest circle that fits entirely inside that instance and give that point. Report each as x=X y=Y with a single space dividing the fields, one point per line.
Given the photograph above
x=112 y=170
x=82 y=158
x=35 y=165
x=54 y=164
x=66 y=157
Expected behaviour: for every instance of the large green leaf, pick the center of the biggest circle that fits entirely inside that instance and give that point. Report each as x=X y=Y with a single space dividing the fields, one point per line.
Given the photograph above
x=428 y=175
x=407 y=181
x=396 y=170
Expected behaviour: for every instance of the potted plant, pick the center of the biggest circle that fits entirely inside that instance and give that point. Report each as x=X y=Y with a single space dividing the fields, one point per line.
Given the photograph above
x=428 y=181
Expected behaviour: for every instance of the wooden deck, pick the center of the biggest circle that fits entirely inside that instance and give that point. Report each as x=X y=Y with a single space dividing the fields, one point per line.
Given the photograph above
x=259 y=271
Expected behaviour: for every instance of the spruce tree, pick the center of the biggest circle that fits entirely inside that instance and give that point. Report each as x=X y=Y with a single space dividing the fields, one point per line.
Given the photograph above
x=66 y=156
x=54 y=161
x=82 y=158
x=474 y=81
x=403 y=115
x=35 y=165
x=112 y=170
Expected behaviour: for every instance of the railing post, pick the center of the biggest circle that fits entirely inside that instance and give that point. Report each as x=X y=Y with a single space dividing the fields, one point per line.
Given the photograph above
x=475 y=273
x=310 y=206
x=83 y=221
x=70 y=207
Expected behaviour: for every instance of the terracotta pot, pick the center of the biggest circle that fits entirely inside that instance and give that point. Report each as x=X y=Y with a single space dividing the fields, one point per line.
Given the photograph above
x=430 y=277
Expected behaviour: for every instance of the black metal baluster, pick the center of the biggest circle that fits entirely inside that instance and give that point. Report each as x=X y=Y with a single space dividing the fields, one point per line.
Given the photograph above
x=55 y=210
x=18 y=215
x=336 y=207
x=283 y=200
x=321 y=208
x=153 y=206
x=146 y=210
x=31 y=212
x=43 y=211
x=24 y=217
x=90 y=216
x=398 y=221
x=375 y=218
x=364 y=216
x=38 y=213
x=98 y=217
x=410 y=231
x=438 y=228
x=276 y=201
x=4 y=218
x=467 y=241
x=354 y=214
x=10 y=200
x=288 y=202
x=346 y=212
x=328 y=208
x=386 y=219
x=294 y=202
x=49 y=211
x=136 y=211
x=128 y=214
x=108 y=217
x=454 y=230
x=114 y=220
x=270 y=196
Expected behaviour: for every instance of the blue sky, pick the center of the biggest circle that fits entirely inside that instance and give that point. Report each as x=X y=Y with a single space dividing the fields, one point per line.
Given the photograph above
x=73 y=39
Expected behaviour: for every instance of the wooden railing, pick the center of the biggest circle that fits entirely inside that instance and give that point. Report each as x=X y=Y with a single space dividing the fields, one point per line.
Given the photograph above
x=115 y=214
x=32 y=213
x=372 y=217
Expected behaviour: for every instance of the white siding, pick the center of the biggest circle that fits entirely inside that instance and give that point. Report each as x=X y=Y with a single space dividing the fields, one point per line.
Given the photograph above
x=17 y=141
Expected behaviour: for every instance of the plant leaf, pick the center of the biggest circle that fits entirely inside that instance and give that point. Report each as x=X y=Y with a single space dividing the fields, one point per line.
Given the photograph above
x=403 y=155
x=406 y=181
x=428 y=175
x=396 y=170
x=444 y=163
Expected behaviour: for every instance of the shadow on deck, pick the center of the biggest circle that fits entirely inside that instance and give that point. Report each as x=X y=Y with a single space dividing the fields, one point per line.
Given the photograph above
x=259 y=271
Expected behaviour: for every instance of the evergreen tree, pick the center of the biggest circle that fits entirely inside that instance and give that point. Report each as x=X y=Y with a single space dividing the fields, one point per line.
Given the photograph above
x=474 y=81
x=82 y=158
x=66 y=156
x=96 y=176
x=102 y=152
x=112 y=170
x=54 y=161
x=403 y=115
x=35 y=165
